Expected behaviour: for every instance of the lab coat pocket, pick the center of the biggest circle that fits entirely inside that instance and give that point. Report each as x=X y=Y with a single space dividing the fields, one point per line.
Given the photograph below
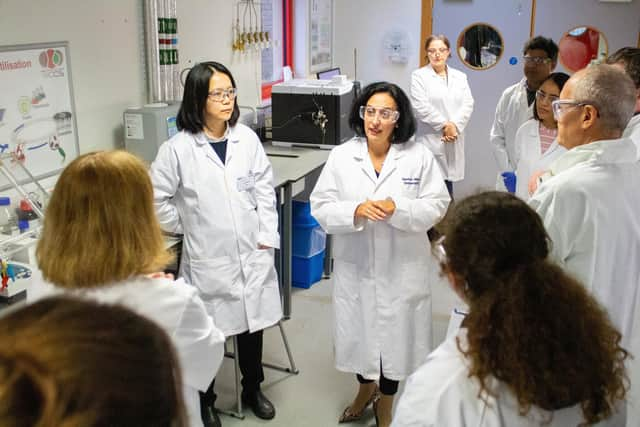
x=215 y=277
x=346 y=281
x=414 y=281
x=261 y=270
x=245 y=199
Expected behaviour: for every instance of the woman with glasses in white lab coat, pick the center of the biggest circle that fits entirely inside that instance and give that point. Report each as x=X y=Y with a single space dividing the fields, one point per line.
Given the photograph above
x=536 y=145
x=213 y=182
x=378 y=194
x=535 y=348
x=443 y=104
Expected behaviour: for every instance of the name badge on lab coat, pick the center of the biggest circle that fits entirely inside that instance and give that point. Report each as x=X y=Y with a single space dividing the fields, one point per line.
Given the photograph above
x=246 y=183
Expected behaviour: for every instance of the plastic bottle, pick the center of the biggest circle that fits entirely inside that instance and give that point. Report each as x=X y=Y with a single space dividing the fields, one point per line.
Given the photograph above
x=7 y=217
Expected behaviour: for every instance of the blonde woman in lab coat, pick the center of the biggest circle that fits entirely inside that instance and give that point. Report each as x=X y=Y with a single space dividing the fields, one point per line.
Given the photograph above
x=443 y=105
x=536 y=144
x=213 y=182
x=378 y=194
x=535 y=349
x=101 y=240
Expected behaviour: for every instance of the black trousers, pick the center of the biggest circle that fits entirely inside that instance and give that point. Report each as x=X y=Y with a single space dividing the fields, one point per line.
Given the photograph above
x=387 y=386
x=250 y=359
x=449 y=185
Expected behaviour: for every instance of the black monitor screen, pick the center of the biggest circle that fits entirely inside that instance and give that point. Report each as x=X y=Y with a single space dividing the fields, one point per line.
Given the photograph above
x=328 y=74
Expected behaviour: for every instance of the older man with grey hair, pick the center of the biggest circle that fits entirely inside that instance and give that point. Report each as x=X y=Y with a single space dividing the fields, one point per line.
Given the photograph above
x=590 y=204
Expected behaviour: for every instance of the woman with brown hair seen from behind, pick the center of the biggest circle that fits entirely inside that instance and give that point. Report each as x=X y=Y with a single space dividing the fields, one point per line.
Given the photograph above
x=535 y=349
x=66 y=362
x=101 y=240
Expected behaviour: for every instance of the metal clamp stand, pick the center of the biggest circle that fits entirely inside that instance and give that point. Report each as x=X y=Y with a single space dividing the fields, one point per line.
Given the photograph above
x=292 y=370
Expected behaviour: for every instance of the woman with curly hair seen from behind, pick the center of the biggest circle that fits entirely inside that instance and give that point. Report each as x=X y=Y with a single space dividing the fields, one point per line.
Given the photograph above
x=535 y=349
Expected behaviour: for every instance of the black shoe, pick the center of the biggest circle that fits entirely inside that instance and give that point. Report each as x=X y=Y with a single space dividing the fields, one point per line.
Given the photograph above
x=209 y=415
x=259 y=404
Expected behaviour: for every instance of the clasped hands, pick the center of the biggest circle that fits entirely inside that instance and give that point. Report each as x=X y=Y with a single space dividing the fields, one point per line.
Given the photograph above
x=376 y=210
x=449 y=132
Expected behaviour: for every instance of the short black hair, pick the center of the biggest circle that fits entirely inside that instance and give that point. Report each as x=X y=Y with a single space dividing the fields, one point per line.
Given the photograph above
x=630 y=58
x=542 y=43
x=196 y=91
x=406 y=124
x=559 y=79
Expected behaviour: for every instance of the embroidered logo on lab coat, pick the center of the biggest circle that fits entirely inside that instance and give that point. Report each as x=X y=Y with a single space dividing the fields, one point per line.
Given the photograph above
x=411 y=181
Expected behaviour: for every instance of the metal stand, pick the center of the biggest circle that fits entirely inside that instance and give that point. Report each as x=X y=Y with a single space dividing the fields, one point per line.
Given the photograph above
x=292 y=370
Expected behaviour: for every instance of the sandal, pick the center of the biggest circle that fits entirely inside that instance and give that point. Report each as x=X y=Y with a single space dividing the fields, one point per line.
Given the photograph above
x=348 y=416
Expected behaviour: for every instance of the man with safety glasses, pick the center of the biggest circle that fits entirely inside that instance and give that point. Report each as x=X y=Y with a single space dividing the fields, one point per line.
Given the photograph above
x=515 y=105
x=589 y=201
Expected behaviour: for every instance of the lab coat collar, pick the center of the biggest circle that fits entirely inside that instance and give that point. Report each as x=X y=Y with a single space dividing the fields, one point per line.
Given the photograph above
x=620 y=150
x=361 y=155
x=203 y=142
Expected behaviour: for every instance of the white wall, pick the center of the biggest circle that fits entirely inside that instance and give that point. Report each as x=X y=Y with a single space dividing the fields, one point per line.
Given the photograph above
x=381 y=17
x=107 y=53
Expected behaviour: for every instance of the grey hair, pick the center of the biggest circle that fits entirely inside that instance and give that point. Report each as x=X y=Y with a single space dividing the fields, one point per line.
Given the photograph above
x=611 y=91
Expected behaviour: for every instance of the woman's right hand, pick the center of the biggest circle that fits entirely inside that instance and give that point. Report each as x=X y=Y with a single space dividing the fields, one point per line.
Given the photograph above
x=370 y=211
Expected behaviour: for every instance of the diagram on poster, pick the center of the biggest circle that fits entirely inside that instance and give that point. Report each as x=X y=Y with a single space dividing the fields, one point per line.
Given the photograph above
x=37 y=114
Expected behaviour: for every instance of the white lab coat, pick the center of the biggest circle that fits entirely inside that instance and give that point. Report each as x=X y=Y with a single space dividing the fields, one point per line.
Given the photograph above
x=382 y=297
x=224 y=211
x=530 y=157
x=632 y=131
x=440 y=393
x=590 y=208
x=176 y=307
x=511 y=112
x=437 y=101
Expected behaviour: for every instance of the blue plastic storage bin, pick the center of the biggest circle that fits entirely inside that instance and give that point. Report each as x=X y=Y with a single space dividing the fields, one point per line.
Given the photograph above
x=305 y=271
x=307 y=238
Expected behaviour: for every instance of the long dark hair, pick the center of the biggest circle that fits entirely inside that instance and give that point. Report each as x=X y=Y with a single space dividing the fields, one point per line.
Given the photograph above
x=530 y=325
x=196 y=91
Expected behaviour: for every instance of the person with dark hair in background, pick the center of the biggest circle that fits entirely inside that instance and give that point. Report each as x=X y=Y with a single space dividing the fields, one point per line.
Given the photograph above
x=535 y=348
x=71 y=362
x=628 y=58
x=536 y=145
x=378 y=194
x=101 y=240
x=213 y=183
x=516 y=103
x=443 y=104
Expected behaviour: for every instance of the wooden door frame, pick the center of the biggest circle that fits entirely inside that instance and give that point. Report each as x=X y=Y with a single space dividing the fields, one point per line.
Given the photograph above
x=426 y=28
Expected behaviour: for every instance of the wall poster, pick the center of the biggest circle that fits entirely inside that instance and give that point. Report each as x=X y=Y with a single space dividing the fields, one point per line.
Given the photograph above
x=320 y=35
x=37 y=112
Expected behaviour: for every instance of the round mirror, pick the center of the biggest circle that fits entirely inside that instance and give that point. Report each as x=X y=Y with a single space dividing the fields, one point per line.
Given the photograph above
x=480 y=46
x=581 y=46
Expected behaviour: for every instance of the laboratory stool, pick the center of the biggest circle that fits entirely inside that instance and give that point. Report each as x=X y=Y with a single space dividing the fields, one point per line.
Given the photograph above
x=232 y=355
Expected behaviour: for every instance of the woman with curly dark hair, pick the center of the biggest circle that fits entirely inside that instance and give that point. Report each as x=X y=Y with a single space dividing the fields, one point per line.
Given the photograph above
x=535 y=349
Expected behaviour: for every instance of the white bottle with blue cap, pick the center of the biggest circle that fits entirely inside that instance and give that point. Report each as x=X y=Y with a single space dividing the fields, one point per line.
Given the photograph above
x=8 y=218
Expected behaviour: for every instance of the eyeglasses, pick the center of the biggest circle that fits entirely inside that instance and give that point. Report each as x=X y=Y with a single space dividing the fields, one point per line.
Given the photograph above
x=385 y=114
x=218 y=95
x=441 y=51
x=543 y=96
x=561 y=106
x=537 y=60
